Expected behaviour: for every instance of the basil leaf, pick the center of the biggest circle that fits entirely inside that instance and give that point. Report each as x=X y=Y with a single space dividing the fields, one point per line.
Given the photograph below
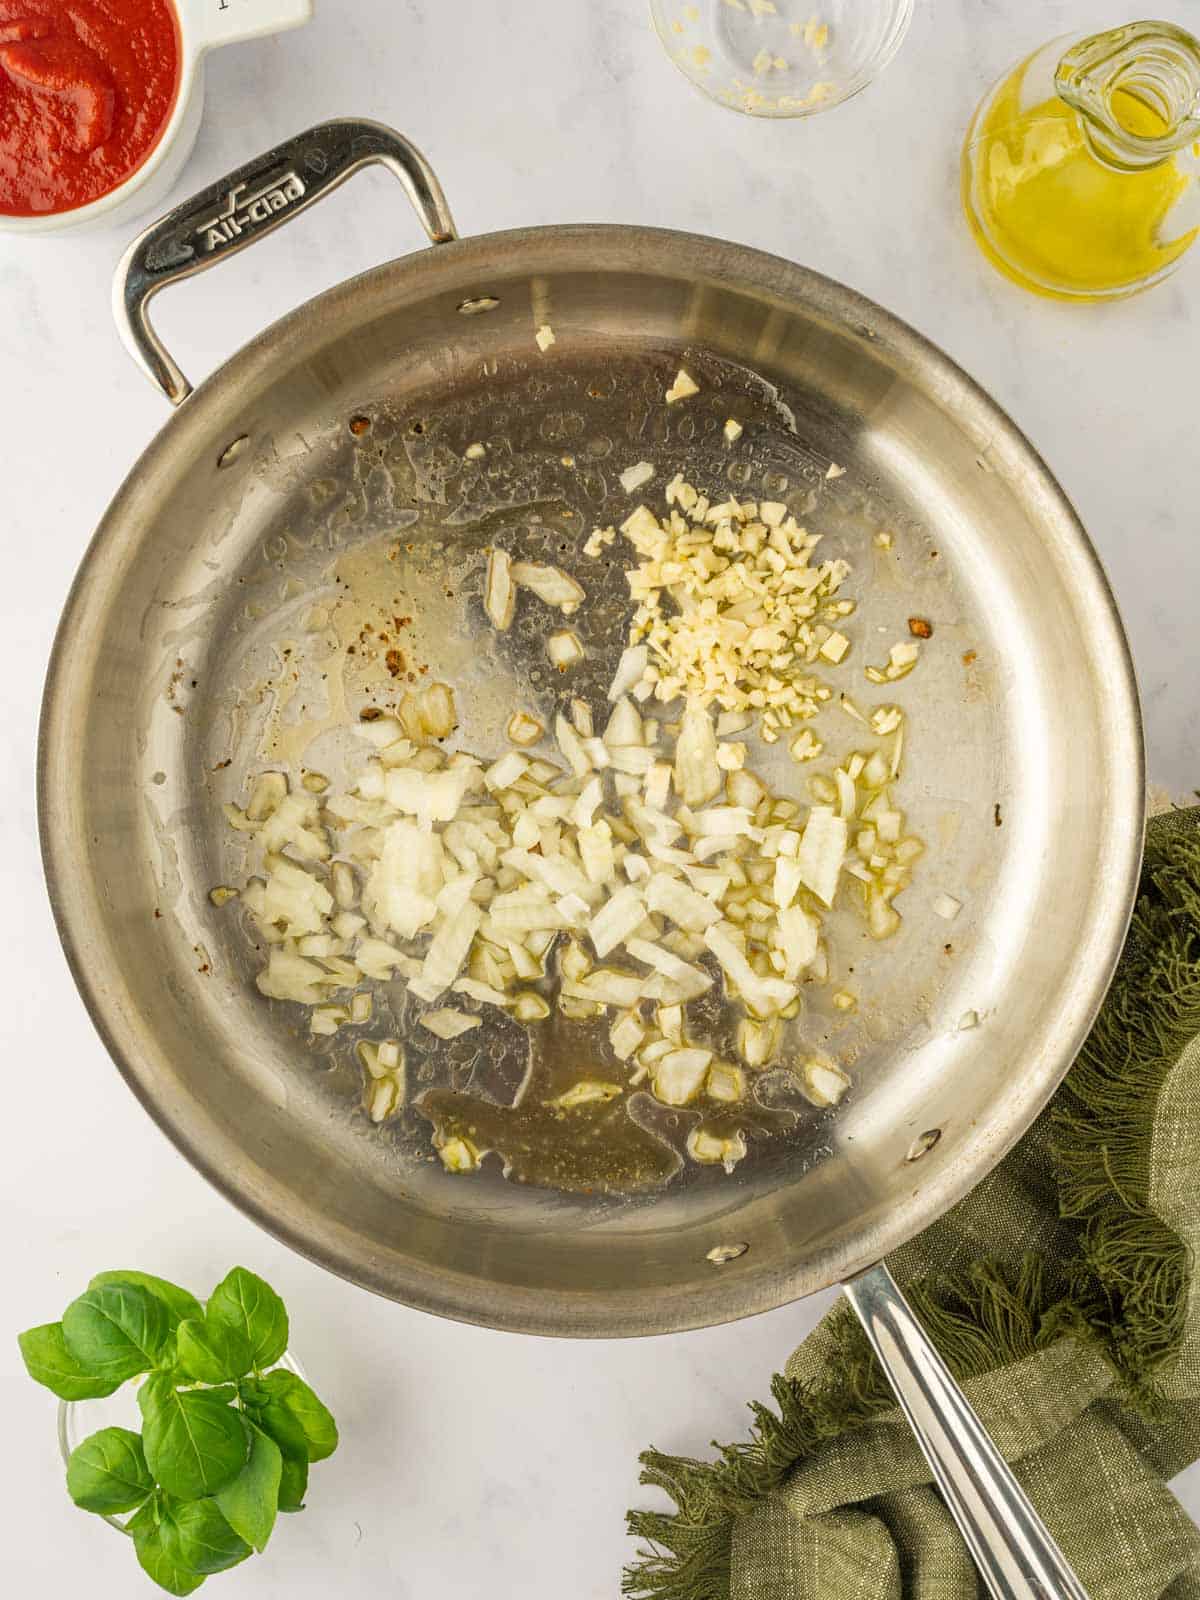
x=108 y=1472
x=195 y=1442
x=249 y=1503
x=320 y=1430
x=282 y=1425
x=247 y=1307
x=178 y=1301
x=210 y=1352
x=48 y=1361
x=156 y=1541
x=116 y=1331
x=293 y=1482
x=203 y=1538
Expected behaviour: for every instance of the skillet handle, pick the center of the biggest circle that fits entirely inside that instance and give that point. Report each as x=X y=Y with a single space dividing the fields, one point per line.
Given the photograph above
x=238 y=209
x=1011 y=1545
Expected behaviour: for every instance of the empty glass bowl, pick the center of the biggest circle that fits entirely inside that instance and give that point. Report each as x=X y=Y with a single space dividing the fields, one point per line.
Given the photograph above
x=781 y=58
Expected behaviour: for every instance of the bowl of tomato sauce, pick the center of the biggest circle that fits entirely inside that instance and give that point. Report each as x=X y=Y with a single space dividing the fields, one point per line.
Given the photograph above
x=101 y=100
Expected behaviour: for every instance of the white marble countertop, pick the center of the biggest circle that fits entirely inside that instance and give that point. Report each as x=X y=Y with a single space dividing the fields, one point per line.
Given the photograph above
x=475 y=1462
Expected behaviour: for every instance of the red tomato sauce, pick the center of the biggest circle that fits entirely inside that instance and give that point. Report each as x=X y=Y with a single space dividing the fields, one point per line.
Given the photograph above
x=86 y=89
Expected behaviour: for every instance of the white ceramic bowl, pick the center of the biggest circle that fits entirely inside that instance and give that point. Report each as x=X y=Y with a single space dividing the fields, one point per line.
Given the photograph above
x=203 y=26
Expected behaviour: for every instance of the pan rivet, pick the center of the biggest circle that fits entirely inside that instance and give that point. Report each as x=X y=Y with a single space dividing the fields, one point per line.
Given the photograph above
x=233 y=450
x=923 y=1143
x=721 y=1253
x=477 y=306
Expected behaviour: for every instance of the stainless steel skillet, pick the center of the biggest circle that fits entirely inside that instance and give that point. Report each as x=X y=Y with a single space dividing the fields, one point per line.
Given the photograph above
x=186 y=652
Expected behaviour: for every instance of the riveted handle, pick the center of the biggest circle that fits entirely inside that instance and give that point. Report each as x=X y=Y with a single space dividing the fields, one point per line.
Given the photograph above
x=237 y=210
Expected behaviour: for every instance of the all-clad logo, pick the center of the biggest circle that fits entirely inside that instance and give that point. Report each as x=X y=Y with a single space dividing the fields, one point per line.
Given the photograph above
x=242 y=211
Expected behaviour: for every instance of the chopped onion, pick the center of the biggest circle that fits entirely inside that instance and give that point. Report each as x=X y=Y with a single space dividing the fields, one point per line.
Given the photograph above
x=500 y=595
x=294 y=824
x=564 y=649
x=550 y=584
x=588 y=1091
x=288 y=976
x=403 y=884
x=457 y=1155
x=527 y=1006
x=797 y=934
x=657 y=787
x=630 y=668
x=447 y=953
x=448 y=1023
x=429 y=796
x=607 y=986
x=882 y=917
x=847 y=795
x=684 y=906
x=947 y=907
x=428 y=713
x=822 y=851
x=762 y=995
x=626 y=1034
x=634 y=759
x=484 y=992
x=504 y=773
x=381 y=1098
x=291 y=898
x=327 y=1019
x=683 y=386
x=823 y=1083
x=758 y=1040
x=524 y=729
x=269 y=791
x=625 y=726
x=670 y=1022
x=375 y=958
x=728 y=821
x=572 y=747
x=678 y=1075
x=596 y=852
x=744 y=789
x=634 y=477
x=712 y=1149
x=684 y=981
x=697 y=775
x=725 y=1082
x=616 y=919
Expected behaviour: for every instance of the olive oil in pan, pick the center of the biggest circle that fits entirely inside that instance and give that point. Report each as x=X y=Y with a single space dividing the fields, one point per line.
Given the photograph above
x=620 y=1145
x=594 y=1146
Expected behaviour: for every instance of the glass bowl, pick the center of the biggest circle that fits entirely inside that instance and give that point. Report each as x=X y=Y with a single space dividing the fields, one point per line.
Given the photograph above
x=78 y=1419
x=781 y=58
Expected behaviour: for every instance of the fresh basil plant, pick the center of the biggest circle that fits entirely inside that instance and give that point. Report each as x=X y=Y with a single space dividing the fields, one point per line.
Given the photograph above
x=227 y=1437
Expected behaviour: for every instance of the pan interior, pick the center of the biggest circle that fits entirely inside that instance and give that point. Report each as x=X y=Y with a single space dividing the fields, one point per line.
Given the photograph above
x=314 y=539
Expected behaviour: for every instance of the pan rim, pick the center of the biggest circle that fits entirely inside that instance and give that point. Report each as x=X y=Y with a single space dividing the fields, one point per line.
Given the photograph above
x=733 y=1293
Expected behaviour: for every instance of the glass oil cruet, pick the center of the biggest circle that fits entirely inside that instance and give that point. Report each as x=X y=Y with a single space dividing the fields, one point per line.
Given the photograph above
x=1081 y=168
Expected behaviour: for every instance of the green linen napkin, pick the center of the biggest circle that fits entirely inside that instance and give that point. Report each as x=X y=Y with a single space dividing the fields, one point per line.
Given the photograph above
x=1062 y=1296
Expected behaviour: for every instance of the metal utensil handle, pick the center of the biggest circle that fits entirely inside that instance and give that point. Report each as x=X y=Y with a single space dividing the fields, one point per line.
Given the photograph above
x=1010 y=1544
x=237 y=210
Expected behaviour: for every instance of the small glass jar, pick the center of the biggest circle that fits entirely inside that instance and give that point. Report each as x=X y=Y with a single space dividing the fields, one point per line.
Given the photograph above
x=781 y=58
x=1081 y=168
x=79 y=1419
